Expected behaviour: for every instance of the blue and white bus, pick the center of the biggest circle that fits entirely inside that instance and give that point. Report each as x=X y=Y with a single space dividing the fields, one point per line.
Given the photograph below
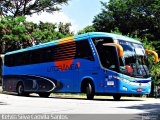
x=92 y=63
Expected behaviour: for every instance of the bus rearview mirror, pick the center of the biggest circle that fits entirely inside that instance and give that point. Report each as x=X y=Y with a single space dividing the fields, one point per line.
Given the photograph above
x=154 y=53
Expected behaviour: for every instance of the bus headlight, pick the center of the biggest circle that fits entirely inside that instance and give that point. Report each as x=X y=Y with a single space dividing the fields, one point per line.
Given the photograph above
x=124 y=88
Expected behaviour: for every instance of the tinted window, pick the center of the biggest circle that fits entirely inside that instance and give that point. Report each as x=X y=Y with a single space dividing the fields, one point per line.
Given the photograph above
x=64 y=51
x=35 y=56
x=83 y=50
x=41 y=55
x=107 y=54
x=72 y=50
x=30 y=57
x=108 y=57
x=9 y=60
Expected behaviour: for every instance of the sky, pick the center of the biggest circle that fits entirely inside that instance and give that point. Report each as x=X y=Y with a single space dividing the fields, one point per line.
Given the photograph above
x=79 y=13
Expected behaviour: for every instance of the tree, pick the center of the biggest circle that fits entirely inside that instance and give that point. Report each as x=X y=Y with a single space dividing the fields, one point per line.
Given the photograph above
x=87 y=29
x=13 y=34
x=64 y=28
x=129 y=16
x=28 y=7
x=139 y=17
x=45 y=32
x=17 y=33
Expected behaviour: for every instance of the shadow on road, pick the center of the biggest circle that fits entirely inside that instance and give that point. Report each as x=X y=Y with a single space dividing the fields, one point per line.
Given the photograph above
x=77 y=98
x=2 y=103
x=152 y=110
x=97 y=99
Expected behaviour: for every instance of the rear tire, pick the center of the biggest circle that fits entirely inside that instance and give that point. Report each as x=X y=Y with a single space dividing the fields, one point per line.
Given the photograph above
x=20 y=89
x=117 y=97
x=44 y=94
x=90 y=91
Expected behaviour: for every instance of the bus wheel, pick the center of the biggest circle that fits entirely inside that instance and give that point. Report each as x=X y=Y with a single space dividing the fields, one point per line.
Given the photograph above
x=44 y=94
x=117 y=97
x=89 y=91
x=20 y=89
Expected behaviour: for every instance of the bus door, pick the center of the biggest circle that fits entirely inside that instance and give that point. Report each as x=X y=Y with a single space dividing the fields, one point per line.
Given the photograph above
x=110 y=61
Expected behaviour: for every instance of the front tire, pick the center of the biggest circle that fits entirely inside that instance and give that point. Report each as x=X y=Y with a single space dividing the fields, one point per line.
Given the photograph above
x=44 y=94
x=90 y=91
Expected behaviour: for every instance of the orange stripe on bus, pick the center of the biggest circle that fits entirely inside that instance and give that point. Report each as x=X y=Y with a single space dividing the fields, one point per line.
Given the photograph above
x=66 y=49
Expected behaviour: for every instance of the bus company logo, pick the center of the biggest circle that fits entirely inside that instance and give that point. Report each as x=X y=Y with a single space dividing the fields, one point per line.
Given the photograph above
x=65 y=54
x=64 y=67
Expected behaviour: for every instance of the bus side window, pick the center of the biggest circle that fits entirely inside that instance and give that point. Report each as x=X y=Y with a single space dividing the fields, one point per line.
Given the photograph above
x=9 y=60
x=23 y=59
x=41 y=55
x=47 y=54
x=83 y=50
x=35 y=56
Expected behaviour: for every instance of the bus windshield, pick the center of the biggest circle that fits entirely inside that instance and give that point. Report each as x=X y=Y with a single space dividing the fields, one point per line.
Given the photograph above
x=134 y=62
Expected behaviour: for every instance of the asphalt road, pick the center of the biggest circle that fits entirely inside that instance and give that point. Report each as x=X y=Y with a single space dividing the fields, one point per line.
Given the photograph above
x=56 y=105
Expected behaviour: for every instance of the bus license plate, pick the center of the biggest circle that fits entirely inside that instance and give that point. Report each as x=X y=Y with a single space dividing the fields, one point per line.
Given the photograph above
x=139 y=89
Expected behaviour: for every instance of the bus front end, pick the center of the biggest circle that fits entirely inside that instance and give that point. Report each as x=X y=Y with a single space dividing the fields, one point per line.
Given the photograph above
x=134 y=76
x=125 y=65
x=132 y=85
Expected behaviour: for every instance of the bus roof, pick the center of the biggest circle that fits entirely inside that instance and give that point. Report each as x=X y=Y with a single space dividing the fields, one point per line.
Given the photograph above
x=114 y=36
x=78 y=37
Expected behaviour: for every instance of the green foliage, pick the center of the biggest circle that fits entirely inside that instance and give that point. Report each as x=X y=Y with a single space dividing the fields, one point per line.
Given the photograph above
x=116 y=31
x=155 y=67
x=87 y=29
x=64 y=28
x=28 y=7
x=129 y=16
x=133 y=17
x=155 y=72
x=12 y=33
x=17 y=33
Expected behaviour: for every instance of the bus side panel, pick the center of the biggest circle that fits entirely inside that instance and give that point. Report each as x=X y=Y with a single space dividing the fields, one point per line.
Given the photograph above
x=40 y=78
x=9 y=84
x=35 y=78
x=85 y=70
x=30 y=83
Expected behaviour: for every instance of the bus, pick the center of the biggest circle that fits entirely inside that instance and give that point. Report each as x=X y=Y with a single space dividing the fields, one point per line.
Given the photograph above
x=93 y=63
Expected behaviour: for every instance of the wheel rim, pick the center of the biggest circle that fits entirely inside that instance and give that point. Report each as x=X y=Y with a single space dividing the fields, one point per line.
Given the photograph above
x=20 y=89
